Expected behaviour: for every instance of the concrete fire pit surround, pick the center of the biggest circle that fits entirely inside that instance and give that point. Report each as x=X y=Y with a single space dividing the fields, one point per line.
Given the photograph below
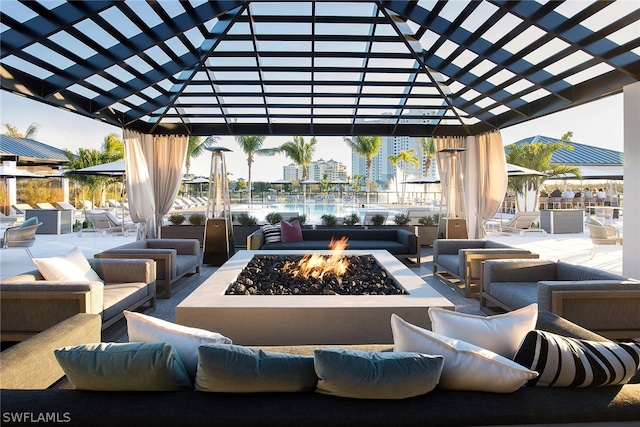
x=307 y=319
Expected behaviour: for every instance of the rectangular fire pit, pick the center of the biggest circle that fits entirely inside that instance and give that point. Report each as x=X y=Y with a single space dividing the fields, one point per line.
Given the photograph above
x=307 y=319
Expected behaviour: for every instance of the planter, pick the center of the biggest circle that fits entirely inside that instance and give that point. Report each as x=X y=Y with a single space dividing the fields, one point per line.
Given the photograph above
x=427 y=234
x=183 y=232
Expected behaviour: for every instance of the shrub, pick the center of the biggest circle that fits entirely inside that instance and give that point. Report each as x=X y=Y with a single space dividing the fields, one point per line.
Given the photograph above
x=197 y=219
x=301 y=219
x=329 y=220
x=402 y=219
x=176 y=219
x=246 y=220
x=429 y=221
x=273 y=218
x=352 y=219
x=378 y=219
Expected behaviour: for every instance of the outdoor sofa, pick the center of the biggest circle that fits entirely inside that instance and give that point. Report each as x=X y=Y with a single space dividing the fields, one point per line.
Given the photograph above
x=529 y=405
x=459 y=261
x=30 y=304
x=399 y=242
x=603 y=302
x=175 y=258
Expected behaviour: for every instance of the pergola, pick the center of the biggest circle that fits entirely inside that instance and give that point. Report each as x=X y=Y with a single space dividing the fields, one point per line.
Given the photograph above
x=417 y=68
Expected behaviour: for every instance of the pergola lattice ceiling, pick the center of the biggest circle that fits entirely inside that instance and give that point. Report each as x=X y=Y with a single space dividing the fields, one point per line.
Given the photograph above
x=415 y=68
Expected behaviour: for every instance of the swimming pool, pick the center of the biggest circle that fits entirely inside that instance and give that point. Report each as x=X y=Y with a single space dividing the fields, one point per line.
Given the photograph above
x=313 y=211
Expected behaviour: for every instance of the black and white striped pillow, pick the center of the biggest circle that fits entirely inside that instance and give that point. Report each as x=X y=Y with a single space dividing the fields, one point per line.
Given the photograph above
x=272 y=233
x=570 y=362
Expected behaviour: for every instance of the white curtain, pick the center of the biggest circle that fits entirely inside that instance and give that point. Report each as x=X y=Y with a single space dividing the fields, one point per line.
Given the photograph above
x=492 y=177
x=169 y=155
x=154 y=168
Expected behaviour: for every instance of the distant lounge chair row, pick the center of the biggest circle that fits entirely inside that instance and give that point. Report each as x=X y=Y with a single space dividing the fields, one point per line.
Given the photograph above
x=184 y=203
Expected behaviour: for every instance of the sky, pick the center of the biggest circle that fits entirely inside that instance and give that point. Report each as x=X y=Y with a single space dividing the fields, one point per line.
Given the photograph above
x=598 y=124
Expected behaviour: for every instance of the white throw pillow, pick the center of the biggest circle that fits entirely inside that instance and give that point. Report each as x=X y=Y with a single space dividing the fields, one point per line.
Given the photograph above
x=184 y=339
x=501 y=333
x=466 y=366
x=71 y=266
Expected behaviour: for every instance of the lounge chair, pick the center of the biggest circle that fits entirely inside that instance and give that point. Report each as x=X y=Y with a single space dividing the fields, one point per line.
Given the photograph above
x=22 y=236
x=104 y=222
x=520 y=222
x=601 y=234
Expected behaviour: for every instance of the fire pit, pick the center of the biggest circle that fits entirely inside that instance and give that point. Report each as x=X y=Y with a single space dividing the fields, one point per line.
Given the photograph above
x=308 y=319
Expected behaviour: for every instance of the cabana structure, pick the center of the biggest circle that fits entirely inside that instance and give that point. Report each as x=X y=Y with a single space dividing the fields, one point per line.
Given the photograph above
x=456 y=71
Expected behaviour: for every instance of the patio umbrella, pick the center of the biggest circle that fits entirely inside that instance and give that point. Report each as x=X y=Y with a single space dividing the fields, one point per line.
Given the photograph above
x=11 y=172
x=516 y=170
x=197 y=181
x=426 y=180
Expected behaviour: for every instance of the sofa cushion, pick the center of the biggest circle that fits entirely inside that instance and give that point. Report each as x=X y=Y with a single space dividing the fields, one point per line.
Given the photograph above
x=391 y=246
x=71 y=266
x=570 y=362
x=449 y=262
x=237 y=369
x=185 y=339
x=291 y=231
x=567 y=271
x=476 y=267
x=185 y=263
x=376 y=375
x=124 y=367
x=29 y=222
x=118 y=297
x=466 y=366
x=501 y=333
x=515 y=294
x=492 y=244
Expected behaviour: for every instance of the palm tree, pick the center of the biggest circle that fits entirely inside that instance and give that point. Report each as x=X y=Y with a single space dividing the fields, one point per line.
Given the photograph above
x=367 y=147
x=251 y=145
x=537 y=156
x=84 y=158
x=407 y=157
x=300 y=152
x=195 y=148
x=428 y=149
x=13 y=130
x=394 y=159
x=113 y=147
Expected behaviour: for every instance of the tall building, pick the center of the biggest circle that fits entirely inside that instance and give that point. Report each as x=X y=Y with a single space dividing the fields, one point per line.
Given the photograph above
x=317 y=170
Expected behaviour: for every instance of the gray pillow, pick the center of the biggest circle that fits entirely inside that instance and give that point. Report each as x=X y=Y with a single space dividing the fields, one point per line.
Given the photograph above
x=376 y=375
x=135 y=366
x=236 y=369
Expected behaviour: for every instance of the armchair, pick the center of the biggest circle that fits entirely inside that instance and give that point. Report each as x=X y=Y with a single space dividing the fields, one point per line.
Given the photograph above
x=29 y=304
x=459 y=261
x=174 y=259
x=601 y=234
x=606 y=303
x=21 y=236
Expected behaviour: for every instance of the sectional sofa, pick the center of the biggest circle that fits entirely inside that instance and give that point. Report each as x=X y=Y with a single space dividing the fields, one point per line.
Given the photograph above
x=399 y=242
x=603 y=302
x=614 y=405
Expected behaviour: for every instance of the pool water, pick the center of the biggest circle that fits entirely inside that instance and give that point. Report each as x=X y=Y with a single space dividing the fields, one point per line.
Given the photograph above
x=313 y=211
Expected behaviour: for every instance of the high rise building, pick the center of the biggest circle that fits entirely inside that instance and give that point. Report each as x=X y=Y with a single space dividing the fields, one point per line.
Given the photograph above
x=317 y=170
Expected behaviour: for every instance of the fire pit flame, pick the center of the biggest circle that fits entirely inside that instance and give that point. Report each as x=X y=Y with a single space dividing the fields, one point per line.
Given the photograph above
x=316 y=266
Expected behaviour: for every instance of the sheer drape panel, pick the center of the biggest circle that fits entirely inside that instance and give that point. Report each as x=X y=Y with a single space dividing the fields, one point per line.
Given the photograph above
x=492 y=177
x=442 y=142
x=169 y=154
x=139 y=181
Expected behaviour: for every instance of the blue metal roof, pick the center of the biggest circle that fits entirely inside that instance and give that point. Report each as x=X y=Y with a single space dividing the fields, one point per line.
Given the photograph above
x=30 y=151
x=580 y=155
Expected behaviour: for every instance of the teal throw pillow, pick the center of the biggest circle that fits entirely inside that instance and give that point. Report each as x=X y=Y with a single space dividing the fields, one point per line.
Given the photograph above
x=236 y=369
x=29 y=222
x=376 y=375
x=135 y=366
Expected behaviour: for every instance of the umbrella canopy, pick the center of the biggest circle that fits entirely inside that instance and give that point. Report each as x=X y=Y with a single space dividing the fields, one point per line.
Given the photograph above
x=11 y=172
x=309 y=181
x=198 y=180
x=281 y=181
x=106 y=169
x=515 y=170
x=423 y=180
